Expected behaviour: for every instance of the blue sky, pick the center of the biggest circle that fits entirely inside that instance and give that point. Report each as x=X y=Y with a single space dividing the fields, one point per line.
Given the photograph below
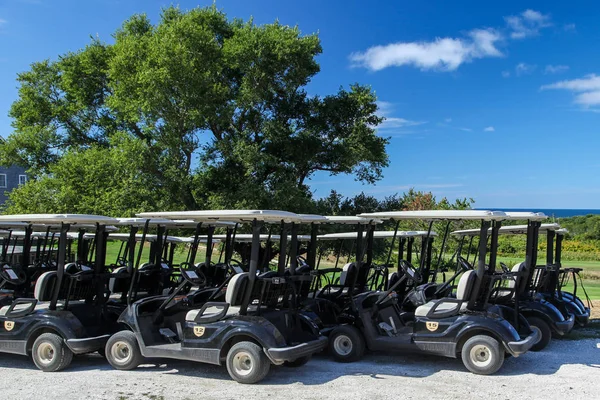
x=498 y=102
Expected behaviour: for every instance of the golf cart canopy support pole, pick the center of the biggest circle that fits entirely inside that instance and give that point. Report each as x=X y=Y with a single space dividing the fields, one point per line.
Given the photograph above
x=209 y=247
x=60 y=268
x=485 y=225
x=311 y=255
x=550 y=234
x=229 y=243
x=389 y=257
x=134 y=277
x=294 y=249
x=195 y=244
x=281 y=261
x=100 y=261
x=558 y=252
x=27 y=245
x=254 y=254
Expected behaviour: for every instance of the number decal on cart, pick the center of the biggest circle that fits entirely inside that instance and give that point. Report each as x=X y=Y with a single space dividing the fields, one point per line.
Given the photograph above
x=9 y=325
x=199 y=330
x=432 y=326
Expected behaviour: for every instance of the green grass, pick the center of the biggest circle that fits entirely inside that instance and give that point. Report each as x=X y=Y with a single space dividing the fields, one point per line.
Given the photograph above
x=112 y=251
x=592 y=287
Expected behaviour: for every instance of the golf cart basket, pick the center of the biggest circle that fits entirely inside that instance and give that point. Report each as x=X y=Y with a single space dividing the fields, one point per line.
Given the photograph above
x=502 y=287
x=564 y=279
x=378 y=277
x=546 y=279
x=277 y=292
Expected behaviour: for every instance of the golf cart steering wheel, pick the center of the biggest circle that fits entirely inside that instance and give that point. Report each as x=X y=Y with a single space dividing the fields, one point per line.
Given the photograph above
x=235 y=266
x=410 y=271
x=464 y=264
x=13 y=274
x=192 y=275
x=504 y=268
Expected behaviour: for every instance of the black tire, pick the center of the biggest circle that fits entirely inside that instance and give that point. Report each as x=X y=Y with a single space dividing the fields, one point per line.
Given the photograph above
x=50 y=353
x=123 y=351
x=482 y=355
x=346 y=344
x=247 y=363
x=544 y=329
x=297 y=362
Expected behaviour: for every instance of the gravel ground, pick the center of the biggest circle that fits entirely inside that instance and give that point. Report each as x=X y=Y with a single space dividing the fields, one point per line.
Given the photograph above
x=566 y=368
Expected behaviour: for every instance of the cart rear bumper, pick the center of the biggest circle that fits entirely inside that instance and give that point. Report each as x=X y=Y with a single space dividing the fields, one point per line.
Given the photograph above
x=87 y=345
x=279 y=355
x=522 y=346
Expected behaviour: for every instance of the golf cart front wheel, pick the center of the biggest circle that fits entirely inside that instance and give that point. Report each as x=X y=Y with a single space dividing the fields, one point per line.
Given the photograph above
x=543 y=329
x=346 y=344
x=123 y=351
x=247 y=363
x=482 y=355
x=50 y=353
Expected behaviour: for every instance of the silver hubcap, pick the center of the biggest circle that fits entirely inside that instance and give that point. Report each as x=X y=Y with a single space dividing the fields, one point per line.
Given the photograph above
x=342 y=345
x=481 y=355
x=45 y=353
x=120 y=352
x=538 y=331
x=242 y=363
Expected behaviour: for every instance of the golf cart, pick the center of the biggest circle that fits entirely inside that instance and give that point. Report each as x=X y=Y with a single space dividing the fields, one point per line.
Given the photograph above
x=257 y=325
x=463 y=326
x=545 y=316
x=49 y=331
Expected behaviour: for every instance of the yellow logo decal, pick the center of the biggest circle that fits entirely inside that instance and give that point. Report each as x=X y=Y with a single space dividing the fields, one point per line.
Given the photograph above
x=9 y=325
x=199 y=331
x=432 y=326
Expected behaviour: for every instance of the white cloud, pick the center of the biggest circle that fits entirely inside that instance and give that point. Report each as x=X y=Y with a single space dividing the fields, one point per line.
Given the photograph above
x=449 y=53
x=587 y=89
x=523 y=69
x=489 y=129
x=3 y=21
x=386 y=109
x=505 y=74
x=444 y=54
x=448 y=120
x=528 y=23
x=555 y=69
x=466 y=129
x=569 y=27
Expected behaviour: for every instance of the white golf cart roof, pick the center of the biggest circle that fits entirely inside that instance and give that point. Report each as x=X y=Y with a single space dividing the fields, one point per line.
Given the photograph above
x=376 y=235
x=273 y=216
x=459 y=215
x=152 y=238
x=342 y=219
x=170 y=223
x=247 y=237
x=58 y=219
x=513 y=230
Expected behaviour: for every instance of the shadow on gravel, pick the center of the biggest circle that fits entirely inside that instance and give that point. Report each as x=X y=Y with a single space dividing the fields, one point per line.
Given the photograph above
x=322 y=369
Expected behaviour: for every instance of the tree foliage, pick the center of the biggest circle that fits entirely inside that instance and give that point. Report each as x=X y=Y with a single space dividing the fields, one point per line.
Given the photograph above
x=217 y=107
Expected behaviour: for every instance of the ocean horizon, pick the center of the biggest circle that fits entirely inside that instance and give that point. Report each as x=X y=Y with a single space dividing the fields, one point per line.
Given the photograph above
x=552 y=212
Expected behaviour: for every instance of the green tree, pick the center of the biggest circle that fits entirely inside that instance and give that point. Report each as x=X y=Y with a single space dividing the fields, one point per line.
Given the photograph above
x=97 y=180
x=219 y=105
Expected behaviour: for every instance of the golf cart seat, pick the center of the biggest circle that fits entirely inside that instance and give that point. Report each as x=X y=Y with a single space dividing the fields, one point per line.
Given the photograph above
x=509 y=290
x=346 y=277
x=44 y=287
x=233 y=298
x=118 y=280
x=447 y=307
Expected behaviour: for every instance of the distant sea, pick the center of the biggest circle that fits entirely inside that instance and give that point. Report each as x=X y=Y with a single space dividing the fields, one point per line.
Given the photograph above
x=551 y=212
